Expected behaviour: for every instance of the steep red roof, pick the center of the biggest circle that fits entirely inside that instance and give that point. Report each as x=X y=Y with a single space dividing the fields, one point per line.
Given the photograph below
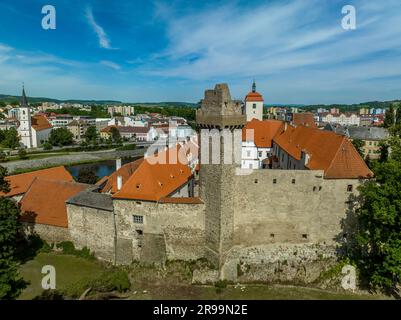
x=253 y=97
x=20 y=183
x=44 y=202
x=328 y=151
x=263 y=131
x=153 y=181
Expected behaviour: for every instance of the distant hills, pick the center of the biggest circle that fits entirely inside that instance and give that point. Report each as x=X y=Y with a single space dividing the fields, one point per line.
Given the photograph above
x=371 y=104
x=10 y=99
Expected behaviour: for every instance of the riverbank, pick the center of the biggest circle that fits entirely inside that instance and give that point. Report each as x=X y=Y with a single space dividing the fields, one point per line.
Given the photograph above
x=20 y=166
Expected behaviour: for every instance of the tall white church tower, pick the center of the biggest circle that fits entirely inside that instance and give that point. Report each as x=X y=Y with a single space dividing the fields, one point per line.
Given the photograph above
x=25 y=127
x=254 y=105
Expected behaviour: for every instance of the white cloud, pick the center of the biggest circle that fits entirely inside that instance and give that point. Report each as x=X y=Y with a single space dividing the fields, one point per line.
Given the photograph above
x=104 y=41
x=110 y=64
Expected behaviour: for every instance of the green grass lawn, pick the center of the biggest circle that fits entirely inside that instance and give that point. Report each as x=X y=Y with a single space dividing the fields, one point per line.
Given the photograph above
x=69 y=269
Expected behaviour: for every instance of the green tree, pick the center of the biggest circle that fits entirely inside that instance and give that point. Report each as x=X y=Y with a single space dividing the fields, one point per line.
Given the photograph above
x=378 y=237
x=11 y=283
x=11 y=139
x=115 y=134
x=61 y=137
x=22 y=154
x=91 y=134
x=358 y=144
x=389 y=117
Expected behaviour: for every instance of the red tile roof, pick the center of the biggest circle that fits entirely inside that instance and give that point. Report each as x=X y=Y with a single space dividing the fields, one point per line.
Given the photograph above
x=253 y=97
x=153 y=181
x=328 y=151
x=44 y=202
x=306 y=119
x=125 y=172
x=263 y=131
x=20 y=183
x=40 y=123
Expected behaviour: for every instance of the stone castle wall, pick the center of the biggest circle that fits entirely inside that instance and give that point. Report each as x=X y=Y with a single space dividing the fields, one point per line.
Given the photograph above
x=169 y=231
x=92 y=228
x=46 y=232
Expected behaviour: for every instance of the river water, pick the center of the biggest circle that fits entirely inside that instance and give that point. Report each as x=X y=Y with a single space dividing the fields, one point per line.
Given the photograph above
x=101 y=169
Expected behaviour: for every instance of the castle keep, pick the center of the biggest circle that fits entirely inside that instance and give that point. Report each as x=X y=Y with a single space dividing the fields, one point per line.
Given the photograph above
x=236 y=218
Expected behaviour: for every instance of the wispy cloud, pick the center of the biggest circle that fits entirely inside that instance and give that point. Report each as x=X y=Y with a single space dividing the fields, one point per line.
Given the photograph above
x=110 y=64
x=104 y=40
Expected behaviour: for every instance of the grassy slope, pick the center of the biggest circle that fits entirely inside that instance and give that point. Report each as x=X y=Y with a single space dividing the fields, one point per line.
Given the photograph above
x=69 y=269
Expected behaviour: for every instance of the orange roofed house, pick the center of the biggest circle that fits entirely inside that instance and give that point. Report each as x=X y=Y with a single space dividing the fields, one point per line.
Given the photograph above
x=257 y=142
x=42 y=195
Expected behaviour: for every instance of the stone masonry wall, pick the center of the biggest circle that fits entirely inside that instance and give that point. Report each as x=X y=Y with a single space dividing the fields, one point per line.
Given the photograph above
x=169 y=231
x=92 y=228
x=46 y=232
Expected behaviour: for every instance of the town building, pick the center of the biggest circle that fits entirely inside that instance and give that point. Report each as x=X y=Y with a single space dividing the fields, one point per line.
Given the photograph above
x=121 y=110
x=257 y=143
x=33 y=130
x=78 y=129
x=344 y=119
x=254 y=104
x=371 y=137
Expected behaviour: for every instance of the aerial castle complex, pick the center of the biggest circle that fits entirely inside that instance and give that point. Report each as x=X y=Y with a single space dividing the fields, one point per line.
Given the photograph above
x=240 y=220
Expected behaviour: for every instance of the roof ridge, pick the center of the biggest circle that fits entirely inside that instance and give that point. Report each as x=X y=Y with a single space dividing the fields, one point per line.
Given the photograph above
x=336 y=154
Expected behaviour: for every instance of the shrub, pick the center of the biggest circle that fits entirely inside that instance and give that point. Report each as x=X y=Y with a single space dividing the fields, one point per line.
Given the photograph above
x=220 y=286
x=68 y=248
x=47 y=146
x=22 y=154
x=111 y=280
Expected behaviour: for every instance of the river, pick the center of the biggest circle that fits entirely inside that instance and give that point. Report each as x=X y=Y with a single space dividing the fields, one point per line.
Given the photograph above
x=101 y=168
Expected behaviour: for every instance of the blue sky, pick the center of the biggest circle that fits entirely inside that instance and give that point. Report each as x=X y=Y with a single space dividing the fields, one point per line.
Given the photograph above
x=143 y=51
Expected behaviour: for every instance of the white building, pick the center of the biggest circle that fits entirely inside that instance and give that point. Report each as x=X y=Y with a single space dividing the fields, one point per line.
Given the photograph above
x=33 y=131
x=257 y=143
x=344 y=119
x=254 y=105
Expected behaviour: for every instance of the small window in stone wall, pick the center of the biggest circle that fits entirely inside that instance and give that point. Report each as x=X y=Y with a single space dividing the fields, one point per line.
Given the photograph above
x=272 y=235
x=314 y=188
x=320 y=188
x=274 y=181
x=138 y=219
x=256 y=181
x=293 y=181
x=139 y=232
x=349 y=188
x=304 y=236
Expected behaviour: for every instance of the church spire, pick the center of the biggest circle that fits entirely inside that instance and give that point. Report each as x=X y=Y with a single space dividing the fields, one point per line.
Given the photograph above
x=24 y=100
x=254 y=86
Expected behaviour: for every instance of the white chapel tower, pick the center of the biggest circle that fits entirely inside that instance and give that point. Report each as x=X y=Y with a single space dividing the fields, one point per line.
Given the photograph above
x=254 y=105
x=25 y=127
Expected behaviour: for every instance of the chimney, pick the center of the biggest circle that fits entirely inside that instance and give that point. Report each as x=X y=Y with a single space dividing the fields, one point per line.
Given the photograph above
x=118 y=164
x=119 y=182
x=285 y=126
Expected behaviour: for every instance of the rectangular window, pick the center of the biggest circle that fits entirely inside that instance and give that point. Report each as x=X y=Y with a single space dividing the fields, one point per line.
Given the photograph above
x=349 y=188
x=274 y=181
x=254 y=106
x=260 y=153
x=138 y=219
x=304 y=236
x=293 y=181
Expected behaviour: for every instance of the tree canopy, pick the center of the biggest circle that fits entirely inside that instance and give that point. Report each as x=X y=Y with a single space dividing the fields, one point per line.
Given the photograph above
x=61 y=137
x=11 y=282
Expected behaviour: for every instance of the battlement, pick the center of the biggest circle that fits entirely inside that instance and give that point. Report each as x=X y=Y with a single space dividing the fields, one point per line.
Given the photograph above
x=218 y=110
